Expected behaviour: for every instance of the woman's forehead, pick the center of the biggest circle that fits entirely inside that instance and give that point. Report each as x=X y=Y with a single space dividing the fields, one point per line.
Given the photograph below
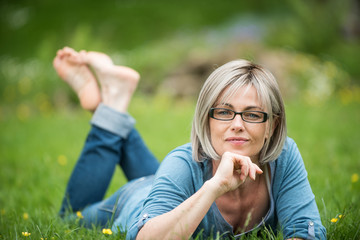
x=244 y=96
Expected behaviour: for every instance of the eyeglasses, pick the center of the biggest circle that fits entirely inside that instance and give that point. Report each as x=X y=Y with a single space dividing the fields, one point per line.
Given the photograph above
x=225 y=114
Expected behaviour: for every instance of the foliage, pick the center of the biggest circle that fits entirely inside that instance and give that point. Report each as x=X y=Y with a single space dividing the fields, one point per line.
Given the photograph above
x=111 y=25
x=327 y=29
x=156 y=37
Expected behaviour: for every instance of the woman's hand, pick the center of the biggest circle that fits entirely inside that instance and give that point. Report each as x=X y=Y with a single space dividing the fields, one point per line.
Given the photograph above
x=232 y=171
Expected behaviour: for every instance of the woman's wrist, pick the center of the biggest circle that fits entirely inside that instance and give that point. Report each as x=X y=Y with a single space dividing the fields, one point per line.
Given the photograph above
x=214 y=187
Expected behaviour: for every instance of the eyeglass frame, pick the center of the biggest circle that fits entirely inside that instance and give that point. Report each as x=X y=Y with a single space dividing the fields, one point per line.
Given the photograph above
x=211 y=114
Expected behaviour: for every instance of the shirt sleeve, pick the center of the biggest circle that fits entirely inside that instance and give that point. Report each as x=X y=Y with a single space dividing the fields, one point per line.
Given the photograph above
x=173 y=184
x=296 y=208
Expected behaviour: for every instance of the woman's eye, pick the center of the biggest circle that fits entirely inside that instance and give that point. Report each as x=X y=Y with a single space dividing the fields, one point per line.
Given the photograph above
x=223 y=112
x=251 y=115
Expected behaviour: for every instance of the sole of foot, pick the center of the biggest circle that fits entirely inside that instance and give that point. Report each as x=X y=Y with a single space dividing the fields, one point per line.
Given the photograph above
x=118 y=83
x=77 y=74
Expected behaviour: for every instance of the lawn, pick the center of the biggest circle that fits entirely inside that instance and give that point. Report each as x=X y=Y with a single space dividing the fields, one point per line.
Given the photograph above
x=41 y=134
x=38 y=152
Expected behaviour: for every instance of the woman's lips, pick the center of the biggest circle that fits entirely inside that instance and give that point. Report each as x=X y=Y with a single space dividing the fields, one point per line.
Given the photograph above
x=236 y=140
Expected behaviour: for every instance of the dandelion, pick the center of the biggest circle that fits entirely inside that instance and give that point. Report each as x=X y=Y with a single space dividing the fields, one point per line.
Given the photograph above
x=62 y=160
x=334 y=220
x=79 y=215
x=25 y=216
x=26 y=234
x=107 y=231
x=340 y=216
x=354 y=178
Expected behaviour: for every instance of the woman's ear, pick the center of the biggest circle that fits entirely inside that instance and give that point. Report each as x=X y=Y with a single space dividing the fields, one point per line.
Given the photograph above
x=270 y=132
x=275 y=124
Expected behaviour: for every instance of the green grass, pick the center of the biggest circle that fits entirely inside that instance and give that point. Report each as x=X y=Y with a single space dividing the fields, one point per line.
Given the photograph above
x=37 y=153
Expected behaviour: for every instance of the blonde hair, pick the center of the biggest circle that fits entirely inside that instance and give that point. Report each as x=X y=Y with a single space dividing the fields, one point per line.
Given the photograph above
x=225 y=81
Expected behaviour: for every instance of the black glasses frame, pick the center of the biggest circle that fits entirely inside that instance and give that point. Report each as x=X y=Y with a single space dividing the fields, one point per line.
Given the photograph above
x=211 y=114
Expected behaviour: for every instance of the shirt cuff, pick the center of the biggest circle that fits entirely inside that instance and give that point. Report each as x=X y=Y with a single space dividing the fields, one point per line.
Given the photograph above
x=113 y=121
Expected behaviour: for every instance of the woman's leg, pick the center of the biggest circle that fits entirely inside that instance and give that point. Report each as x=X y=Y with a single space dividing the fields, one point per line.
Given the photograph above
x=115 y=92
x=95 y=167
x=93 y=171
x=136 y=159
x=108 y=141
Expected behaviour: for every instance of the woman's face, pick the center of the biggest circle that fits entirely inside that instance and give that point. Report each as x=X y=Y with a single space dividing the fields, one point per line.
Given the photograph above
x=237 y=136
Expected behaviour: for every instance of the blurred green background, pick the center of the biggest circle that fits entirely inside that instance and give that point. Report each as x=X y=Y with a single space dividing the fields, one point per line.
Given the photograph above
x=312 y=47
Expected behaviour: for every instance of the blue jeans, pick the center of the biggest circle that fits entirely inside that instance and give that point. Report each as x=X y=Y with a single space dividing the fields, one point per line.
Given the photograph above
x=111 y=144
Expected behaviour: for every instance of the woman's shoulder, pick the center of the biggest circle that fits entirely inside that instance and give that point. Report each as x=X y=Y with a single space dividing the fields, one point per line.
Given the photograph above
x=289 y=161
x=179 y=163
x=289 y=151
x=185 y=150
x=289 y=144
x=181 y=153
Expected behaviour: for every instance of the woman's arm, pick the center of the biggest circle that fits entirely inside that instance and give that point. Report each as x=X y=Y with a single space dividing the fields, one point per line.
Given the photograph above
x=182 y=221
x=296 y=208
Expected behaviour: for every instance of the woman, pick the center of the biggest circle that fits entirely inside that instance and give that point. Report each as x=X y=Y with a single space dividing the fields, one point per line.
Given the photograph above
x=239 y=173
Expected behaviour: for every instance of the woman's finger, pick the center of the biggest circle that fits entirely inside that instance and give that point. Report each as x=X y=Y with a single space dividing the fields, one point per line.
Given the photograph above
x=258 y=169
x=243 y=164
x=252 y=172
x=246 y=167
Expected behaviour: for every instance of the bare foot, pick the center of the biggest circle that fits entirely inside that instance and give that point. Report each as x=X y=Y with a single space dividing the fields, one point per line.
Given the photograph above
x=77 y=74
x=118 y=83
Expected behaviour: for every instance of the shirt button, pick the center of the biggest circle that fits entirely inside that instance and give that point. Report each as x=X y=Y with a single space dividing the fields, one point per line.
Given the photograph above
x=311 y=223
x=145 y=215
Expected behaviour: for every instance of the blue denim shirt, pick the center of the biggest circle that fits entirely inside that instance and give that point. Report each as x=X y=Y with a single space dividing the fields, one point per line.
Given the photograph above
x=293 y=208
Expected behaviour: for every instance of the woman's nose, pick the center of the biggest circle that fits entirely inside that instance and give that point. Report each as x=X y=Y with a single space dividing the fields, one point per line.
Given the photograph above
x=237 y=123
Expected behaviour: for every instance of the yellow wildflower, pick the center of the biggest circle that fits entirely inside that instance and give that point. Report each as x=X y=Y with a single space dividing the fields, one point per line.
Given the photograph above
x=354 y=178
x=340 y=216
x=334 y=220
x=79 y=215
x=107 y=231
x=26 y=234
x=62 y=160
x=25 y=216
